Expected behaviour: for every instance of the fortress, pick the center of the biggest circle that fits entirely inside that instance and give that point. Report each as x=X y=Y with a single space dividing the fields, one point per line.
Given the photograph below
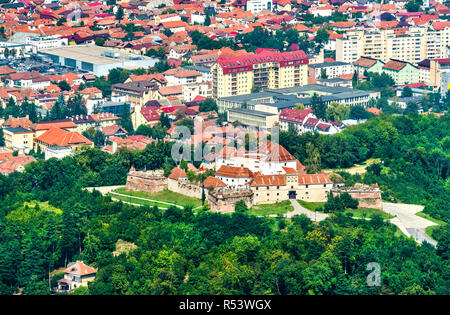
x=267 y=175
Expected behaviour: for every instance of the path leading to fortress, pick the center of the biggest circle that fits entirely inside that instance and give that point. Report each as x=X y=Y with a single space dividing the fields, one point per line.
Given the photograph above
x=298 y=209
x=408 y=222
x=405 y=219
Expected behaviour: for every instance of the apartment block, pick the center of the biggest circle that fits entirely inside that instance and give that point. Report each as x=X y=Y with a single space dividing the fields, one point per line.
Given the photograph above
x=332 y=69
x=411 y=44
x=267 y=69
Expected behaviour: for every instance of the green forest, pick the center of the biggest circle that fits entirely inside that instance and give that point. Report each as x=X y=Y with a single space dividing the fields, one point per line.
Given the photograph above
x=48 y=219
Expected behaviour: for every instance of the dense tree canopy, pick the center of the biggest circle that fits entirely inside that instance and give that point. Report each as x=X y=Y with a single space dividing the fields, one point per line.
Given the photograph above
x=47 y=219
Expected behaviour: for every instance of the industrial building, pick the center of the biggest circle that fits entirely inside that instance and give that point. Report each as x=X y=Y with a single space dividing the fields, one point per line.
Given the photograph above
x=95 y=59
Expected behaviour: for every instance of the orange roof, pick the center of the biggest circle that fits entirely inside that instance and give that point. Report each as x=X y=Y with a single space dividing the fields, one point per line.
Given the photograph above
x=80 y=269
x=9 y=163
x=233 y=171
x=314 y=179
x=268 y=180
x=174 y=24
x=373 y=110
x=394 y=65
x=213 y=182
x=365 y=62
x=177 y=173
x=14 y=122
x=63 y=138
x=59 y=124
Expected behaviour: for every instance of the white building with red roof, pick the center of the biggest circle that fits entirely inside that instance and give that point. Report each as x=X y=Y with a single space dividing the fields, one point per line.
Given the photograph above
x=76 y=275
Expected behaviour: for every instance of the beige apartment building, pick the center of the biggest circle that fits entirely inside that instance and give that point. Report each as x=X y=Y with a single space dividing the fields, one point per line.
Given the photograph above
x=18 y=138
x=411 y=45
x=268 y=69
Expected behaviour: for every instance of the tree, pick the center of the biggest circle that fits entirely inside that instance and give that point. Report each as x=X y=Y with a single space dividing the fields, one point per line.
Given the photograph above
x=355 y=79
x=312 y=160
x=358 y=112
x=321 y=37
x=411 y=107
x=207 y=20
x=323 y=73
x=119 y=14
x=59 y=110
x=240 y=206
x=164 y=120
x=64 y=86
x=407 y=92
x=125 y=120
x=299 y=106
x=117 y=76
x=412 y=6
x=61 y=21
x=2 y=138
x=208 y=105
x=95 y=136
x=318 y=106
x=99 y=41
x=337 y=112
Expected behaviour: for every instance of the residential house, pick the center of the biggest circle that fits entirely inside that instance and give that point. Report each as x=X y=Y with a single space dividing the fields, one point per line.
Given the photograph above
x=76 y=275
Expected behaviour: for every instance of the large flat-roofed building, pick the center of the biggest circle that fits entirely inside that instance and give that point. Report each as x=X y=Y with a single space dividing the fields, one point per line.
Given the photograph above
x=275 y=100
x=95 y=59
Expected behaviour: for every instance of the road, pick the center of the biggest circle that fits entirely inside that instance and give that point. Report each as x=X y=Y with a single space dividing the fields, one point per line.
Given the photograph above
x=405 y=219
x=298 y=209
x=408 y=222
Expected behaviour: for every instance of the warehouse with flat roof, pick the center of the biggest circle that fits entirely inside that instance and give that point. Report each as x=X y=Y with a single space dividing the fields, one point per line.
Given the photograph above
x=95 y=59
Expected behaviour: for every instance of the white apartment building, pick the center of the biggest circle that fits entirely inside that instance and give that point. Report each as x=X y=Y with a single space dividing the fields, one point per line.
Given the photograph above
x=46 y=42
x=256 y=6
x=332 y=69
x=192 y=90
x=413 y=45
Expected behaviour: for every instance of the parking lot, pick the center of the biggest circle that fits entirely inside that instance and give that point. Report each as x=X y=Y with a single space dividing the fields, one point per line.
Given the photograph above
x=36 y=64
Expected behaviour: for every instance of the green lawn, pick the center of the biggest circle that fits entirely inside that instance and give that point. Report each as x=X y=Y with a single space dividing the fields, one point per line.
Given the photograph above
x=310 y=205
x=278 y=208
x=165 y=196
x=358 y=213
x=368 y=212
x=429 y=229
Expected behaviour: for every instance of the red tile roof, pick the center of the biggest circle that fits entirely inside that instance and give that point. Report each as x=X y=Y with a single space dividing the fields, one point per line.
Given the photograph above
x=268 y=180
x=60 y=137
x=235 y=172
x=80 y=269
x=177 y=173
x=213 y=182
x=314 y=179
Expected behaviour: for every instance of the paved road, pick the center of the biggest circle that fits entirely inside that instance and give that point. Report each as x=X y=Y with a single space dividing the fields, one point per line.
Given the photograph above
x=405 y=218
x=408 y=222
x=104 y=189
x=298 y=209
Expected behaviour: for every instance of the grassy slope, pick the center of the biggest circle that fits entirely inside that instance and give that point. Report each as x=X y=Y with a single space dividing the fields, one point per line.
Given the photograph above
x=278 y=208
x=165 y=195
